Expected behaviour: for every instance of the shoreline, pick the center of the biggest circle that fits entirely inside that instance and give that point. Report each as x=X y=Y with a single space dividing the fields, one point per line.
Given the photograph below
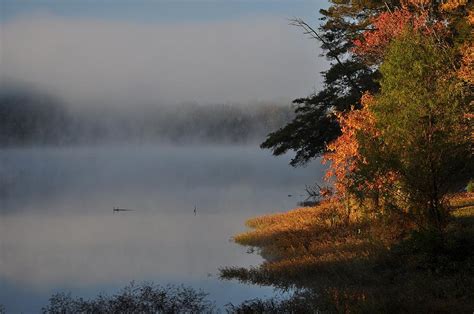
x=371 y=264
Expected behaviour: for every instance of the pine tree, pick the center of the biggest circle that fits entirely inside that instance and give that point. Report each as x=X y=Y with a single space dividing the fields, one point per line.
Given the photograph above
x=315 y=124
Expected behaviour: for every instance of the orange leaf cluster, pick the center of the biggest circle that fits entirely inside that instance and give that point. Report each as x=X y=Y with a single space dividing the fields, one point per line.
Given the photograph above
x=389 y=25
x=345 y=158
x=343 y=153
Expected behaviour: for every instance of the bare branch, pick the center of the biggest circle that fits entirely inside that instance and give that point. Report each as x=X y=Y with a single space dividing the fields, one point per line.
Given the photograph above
x=308 y=30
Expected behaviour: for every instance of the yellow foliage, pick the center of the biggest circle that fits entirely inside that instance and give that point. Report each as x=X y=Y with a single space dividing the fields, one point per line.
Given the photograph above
x=466 y=72
x=451 y=5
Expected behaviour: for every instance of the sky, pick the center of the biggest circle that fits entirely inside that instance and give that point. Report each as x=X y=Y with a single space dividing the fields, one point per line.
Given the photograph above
x=156 y=52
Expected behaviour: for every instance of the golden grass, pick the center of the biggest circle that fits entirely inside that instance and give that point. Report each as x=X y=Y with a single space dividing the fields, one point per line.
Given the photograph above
x=366 y=263
x=462 y=204
x=314 y=233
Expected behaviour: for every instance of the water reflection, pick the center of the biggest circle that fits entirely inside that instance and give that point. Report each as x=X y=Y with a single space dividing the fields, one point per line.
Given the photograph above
x=58 y=229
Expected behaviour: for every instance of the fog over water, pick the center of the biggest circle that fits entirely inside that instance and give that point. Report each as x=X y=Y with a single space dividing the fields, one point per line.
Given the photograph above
x=59 y=232
x=103 y=108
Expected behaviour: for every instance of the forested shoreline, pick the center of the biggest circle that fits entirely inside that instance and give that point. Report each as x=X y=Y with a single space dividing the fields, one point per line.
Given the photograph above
x=35 y=118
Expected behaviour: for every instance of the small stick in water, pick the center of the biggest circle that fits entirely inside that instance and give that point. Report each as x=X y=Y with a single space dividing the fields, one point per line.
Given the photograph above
x=195 y=211
x=122 y=210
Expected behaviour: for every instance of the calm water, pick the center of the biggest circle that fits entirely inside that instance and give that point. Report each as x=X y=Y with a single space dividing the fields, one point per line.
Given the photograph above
x=58 y=231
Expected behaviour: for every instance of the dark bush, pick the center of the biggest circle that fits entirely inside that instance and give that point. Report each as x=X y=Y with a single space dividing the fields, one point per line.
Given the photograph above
x=143 y=298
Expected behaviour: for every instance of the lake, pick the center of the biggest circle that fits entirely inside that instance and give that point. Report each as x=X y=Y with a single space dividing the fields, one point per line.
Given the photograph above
x=58 y=230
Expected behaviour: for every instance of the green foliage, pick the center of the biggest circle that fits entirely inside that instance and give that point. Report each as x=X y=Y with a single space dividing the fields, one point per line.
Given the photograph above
x=420 y=112
x=470 y=186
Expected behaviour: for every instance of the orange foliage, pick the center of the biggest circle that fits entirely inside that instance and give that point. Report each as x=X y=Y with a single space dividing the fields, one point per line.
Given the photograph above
x=345 y=158
x=470 y=17
x=389 y=25
x=343 y=153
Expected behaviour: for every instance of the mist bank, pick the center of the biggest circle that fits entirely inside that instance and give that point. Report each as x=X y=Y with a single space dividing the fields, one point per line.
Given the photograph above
x=32 y=117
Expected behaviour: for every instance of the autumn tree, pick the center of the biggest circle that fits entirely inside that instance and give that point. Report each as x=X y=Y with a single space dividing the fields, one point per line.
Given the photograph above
x=420 y=112
x=344 y=155
x=410 y=144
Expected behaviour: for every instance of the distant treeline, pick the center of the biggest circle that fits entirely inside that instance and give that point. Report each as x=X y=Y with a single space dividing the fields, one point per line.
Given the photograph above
x=28 y=117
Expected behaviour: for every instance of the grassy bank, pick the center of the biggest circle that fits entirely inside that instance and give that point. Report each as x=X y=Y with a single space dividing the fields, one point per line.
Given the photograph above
x=375 y=263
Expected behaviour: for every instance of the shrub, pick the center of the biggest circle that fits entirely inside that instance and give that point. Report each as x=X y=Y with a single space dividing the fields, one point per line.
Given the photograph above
x=144 y=298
